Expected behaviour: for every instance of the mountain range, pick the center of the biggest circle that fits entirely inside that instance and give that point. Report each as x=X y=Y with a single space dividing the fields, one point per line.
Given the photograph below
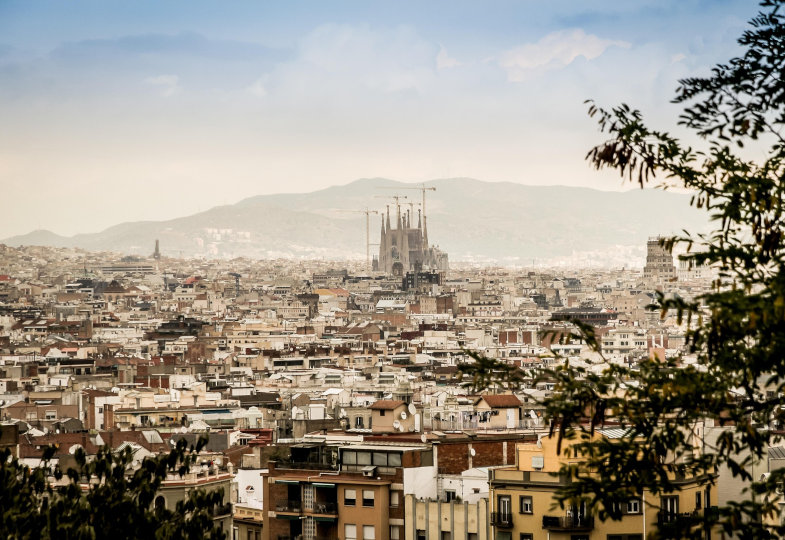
x=470 y=219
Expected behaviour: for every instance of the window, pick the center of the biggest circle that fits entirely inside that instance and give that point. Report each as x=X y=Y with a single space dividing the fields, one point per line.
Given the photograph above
x=634 y=506
x=395 y=499
x=449 y=495
x=369 y=532
x=363 y=458
x=349 y=497
x=394 y=460
x=359 y=422
x=669 y=507
x=526 y=536
x=420 y=534
x=526 y=505
x=505 y=506
x=368 y=497
x=380 y=459
x=446 y=535
x=100 y=410
x=350 y=531
x=381 y=413
x=395 y=532
x=50 y=415
x=350 y=458
x=697 y=500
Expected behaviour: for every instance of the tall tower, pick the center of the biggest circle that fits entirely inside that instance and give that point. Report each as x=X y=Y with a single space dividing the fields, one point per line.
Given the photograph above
x=157 y=252
x=659 y=261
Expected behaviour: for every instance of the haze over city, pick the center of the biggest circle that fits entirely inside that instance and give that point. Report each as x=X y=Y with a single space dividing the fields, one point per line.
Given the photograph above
x=149 y=111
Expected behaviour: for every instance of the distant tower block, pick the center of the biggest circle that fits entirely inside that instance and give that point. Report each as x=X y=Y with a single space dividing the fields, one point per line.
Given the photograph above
x=659 y=261
x=157 y=252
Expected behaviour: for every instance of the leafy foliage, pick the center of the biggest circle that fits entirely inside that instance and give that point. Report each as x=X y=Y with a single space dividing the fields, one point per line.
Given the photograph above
x=489 y=374
x=103 y=497
x=738 y=338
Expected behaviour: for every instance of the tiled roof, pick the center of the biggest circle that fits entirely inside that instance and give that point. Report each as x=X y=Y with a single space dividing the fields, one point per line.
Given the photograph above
x=502 y=400
x=386 y=404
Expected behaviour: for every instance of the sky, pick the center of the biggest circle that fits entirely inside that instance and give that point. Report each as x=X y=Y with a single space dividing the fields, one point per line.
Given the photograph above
x=149 y=110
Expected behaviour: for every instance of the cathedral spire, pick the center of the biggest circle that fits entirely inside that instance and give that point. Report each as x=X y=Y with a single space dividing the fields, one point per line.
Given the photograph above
x=419 y=219
x=388 y=217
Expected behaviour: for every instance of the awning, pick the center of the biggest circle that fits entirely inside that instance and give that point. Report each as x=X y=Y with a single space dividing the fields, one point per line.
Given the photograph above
x=325 y=519
x=323 y=484
x=291 y=482
x=290 y=517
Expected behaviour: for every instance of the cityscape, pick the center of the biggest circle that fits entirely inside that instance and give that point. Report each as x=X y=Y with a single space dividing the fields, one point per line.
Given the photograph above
x=229 y=348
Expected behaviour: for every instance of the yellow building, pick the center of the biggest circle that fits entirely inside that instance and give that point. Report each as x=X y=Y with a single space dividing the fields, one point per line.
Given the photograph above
x=524 y=507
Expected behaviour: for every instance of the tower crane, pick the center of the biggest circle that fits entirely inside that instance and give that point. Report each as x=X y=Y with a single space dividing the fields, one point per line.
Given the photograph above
x=397 y=201
x=422 y=188
x=367 y=213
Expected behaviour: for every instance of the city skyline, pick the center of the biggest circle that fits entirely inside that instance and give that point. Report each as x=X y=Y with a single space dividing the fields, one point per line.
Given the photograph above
x=150 y=111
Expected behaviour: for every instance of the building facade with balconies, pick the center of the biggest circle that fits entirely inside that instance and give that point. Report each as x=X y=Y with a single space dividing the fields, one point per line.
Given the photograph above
x=523 y=503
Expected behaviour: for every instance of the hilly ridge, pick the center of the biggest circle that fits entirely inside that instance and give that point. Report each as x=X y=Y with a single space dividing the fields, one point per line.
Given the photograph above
x=470 y=219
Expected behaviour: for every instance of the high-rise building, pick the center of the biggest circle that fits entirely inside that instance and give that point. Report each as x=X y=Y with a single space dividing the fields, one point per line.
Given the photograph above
x=659 y=261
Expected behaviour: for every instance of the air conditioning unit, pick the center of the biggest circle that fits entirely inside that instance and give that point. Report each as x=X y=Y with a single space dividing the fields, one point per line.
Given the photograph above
x=369 y=471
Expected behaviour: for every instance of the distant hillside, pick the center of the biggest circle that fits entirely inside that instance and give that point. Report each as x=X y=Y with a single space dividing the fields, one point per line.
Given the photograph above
x=470 y=219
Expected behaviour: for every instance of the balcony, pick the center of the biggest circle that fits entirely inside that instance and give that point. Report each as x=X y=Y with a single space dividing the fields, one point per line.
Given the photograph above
x=501 y=519
x=568 y=523
x=292 y=507
x=329 y=508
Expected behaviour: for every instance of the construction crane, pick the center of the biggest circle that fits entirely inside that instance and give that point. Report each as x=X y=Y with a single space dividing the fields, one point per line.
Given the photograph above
x=397 y=201
x=422 y=188
x=411 y=210
x=367 y=232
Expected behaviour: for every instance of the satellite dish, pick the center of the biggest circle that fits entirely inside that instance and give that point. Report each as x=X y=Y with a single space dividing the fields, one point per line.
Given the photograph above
x=411 y=428
x=472 y=452
x=403 y=415
x=423 y=438
x=412 y=408
x=539 y=443
x=397 y=425
x=401 y=428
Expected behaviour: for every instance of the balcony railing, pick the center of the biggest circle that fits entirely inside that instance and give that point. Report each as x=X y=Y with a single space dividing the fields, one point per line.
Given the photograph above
x=288 y=506
x=325 y=508
x=222 y=510
x=501 y=519
x=568 y=523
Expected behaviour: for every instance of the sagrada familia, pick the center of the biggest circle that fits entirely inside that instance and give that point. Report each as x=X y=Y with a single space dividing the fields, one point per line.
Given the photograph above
x=405 y=248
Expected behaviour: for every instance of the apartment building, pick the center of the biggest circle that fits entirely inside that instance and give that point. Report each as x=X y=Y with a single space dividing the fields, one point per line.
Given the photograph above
x=523 y=504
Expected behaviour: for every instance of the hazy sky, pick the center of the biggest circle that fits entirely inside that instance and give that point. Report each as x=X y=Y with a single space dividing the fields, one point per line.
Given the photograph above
x=114 y=112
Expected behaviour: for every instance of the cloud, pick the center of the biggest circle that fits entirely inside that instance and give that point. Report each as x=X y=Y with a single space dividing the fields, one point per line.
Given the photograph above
x=378 y=59
x=444 y=60
x=554 y=51
x=258 y=88
x=168 y=84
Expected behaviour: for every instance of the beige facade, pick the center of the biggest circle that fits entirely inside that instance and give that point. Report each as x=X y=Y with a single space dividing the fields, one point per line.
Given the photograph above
x=390 y=416
x=454 y=520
